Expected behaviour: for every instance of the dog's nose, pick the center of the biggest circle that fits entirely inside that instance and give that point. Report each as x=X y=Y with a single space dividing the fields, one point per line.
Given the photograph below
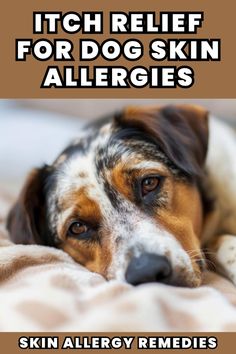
x=148 y=268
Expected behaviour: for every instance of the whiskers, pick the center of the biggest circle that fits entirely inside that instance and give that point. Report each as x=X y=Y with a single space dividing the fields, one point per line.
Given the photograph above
x=205 y=258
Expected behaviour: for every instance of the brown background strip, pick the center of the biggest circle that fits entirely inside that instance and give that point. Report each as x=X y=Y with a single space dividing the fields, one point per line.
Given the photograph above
x=23 y=79
x=226 y=343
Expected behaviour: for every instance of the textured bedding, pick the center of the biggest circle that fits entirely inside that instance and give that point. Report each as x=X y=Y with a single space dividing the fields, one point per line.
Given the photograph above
x=43 y=289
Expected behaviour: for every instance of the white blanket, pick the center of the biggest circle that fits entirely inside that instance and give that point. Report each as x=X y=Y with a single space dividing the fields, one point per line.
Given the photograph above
x=43 y=289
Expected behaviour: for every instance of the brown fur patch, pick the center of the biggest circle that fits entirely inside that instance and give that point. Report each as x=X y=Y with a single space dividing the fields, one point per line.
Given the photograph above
x=183 y=218
x=82 y=175
x=122 y=181
x=84 y=208
x=94 y=254
x=123 y=176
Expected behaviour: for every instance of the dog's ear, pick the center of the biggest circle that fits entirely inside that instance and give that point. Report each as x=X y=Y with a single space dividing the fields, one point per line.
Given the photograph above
x=26 y=220
x=181 y=132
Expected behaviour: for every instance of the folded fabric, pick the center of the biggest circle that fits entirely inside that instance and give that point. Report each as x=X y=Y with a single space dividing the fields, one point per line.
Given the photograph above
x=43 y=289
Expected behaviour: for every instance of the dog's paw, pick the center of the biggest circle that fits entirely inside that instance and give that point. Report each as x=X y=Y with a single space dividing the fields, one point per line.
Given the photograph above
x=224 y=255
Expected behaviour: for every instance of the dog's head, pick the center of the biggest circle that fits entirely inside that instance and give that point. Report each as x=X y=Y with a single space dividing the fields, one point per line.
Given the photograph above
x=124 y=199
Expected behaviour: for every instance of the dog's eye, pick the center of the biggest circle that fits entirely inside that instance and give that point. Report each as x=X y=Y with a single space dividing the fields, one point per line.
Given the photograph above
x=149 y=184
x=77 y=229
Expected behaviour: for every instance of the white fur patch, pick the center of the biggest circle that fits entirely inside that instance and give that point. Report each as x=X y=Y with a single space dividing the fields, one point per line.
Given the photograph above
x=136 y=234
x=221 y=166
x=149 y=165
x=225 y=256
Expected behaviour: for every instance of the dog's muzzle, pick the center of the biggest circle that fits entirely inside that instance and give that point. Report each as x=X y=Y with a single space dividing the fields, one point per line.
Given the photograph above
x=148 y=268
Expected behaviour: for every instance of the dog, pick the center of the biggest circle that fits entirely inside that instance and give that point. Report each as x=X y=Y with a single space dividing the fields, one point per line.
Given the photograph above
x=145 y=196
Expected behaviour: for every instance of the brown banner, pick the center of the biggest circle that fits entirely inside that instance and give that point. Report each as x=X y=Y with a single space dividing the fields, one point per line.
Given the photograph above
x=12 y=343
x=22 y=79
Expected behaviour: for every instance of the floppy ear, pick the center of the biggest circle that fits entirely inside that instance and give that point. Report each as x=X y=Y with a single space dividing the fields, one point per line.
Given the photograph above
x=181 y=132
x=27 y=219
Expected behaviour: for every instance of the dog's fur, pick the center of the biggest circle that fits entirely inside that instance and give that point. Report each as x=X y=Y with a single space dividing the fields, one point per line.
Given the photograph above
x=96 y=180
